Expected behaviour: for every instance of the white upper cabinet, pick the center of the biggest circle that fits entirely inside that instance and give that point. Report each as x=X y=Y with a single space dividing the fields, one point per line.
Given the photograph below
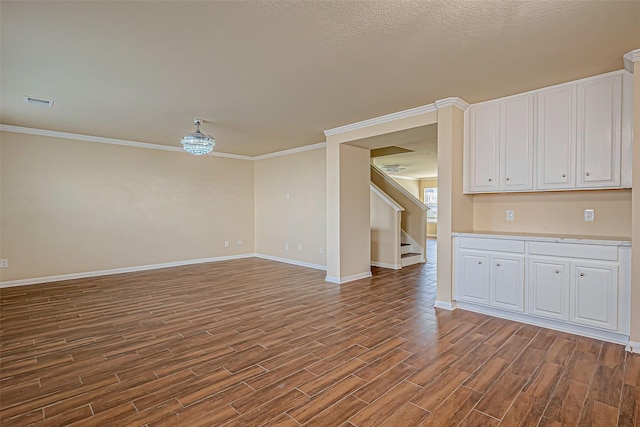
x=570 y=136
x=516 y=143
x=483 y=147
x=556 y=138
x=599 y=128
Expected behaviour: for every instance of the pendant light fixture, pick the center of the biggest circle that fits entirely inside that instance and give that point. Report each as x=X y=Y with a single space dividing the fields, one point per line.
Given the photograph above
x=197 y=142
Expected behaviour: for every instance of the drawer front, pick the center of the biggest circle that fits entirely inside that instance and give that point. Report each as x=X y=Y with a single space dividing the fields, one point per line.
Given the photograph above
x=574 y=250
x=500 y=245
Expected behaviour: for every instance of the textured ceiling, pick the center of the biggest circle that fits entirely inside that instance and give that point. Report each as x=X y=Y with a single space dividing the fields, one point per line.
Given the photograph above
x=272 y=75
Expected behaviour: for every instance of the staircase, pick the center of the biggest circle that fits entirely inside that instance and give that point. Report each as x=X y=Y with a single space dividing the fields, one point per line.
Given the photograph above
x=407 y=257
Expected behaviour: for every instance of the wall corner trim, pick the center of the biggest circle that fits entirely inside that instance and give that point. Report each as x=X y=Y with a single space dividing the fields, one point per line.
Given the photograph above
x=456 y=102
x=629 y=58
x=341 y=280
x=445 y=305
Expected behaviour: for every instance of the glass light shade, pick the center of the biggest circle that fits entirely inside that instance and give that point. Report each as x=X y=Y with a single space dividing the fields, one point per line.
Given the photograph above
x=198 y=143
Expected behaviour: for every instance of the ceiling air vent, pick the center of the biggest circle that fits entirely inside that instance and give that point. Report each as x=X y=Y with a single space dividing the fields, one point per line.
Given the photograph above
x=38 y=101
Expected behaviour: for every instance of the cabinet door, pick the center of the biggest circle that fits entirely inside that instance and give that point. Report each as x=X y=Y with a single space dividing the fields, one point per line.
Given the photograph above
x=595 y=294
x=516 y=143
x=483 y=147
x=599 y=132
x=556 y=138
x=507 y=282
x=548 y=288
x=473 y=277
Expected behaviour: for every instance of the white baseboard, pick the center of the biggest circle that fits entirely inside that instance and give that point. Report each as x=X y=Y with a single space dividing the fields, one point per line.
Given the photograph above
x=386 y=265
x=292 y=261
x=36 y=280
x=445 y=305
x=341 y=280
x=633 y=347
x=556 y=325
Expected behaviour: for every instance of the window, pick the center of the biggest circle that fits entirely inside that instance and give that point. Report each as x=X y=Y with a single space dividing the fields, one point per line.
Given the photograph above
x=431 y=200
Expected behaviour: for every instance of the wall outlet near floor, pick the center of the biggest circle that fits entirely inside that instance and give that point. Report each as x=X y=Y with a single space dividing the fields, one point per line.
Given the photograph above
x=589 y=215
x=299 y=247
x=510 y=215
x=286 y=246
x=321 y=249
x=226 y=243
x=239 y=242
x=4 y=263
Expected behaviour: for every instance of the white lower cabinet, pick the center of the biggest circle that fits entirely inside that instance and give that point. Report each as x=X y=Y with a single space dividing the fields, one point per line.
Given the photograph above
x=594 y=291
x=506 y=284
x=570 y=285
x=549 y=288
x=474 y=277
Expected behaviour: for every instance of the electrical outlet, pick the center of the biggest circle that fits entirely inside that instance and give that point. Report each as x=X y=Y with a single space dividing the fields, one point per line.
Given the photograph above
x=287 y=196
x=4 y=263
x=510 y=215
x=321 y=249
x=589 y=215
x=226 y=243
x=299 y=247
x=286 y=246
x=239 y=242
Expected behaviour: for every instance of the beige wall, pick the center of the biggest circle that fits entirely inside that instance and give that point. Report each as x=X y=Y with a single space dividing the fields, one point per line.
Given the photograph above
x=555 y=212
x=73 y=206
x=411 y=185
x=298 y=220
x=385 y=232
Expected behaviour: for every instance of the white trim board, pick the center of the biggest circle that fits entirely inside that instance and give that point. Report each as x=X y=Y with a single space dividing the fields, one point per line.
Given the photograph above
x=137 y=144
x=445 y=305
x=292 y=261
x=633 y=347
x=341 y=280
x=386 y=265
x=556 y=325
x=61 y=277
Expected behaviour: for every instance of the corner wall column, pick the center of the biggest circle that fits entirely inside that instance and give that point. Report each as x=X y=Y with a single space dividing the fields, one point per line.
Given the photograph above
x=455 y=209
x=348 y=226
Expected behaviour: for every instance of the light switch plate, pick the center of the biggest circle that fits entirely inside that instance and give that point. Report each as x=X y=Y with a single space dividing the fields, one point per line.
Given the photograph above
x=589 y=215
x=510 y=215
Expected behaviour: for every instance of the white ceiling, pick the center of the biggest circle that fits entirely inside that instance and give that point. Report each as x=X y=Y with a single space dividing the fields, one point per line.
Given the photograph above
x=272 y=75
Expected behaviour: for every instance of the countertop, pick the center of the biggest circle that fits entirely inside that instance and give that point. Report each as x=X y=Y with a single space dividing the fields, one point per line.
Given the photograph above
x=547 y=237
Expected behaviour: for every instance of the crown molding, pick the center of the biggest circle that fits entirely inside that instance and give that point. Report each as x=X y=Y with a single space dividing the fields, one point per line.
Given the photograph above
x=382 y=119
x=454 y=101
x=629 y=58
x=112 y=141
x=291 y=151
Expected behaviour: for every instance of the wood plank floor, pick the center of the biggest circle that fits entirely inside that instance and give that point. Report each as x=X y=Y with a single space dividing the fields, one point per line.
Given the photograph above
x=253 y=342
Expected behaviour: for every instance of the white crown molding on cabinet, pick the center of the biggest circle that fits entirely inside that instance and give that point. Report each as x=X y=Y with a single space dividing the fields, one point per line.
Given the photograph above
x=629 y=58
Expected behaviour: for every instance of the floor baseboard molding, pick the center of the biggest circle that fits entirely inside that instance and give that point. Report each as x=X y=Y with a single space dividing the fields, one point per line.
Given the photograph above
x=292 y=261
x=86 y=274
x=445 y=305
x=341 y=280
x=386 y=265
x=633 y=347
